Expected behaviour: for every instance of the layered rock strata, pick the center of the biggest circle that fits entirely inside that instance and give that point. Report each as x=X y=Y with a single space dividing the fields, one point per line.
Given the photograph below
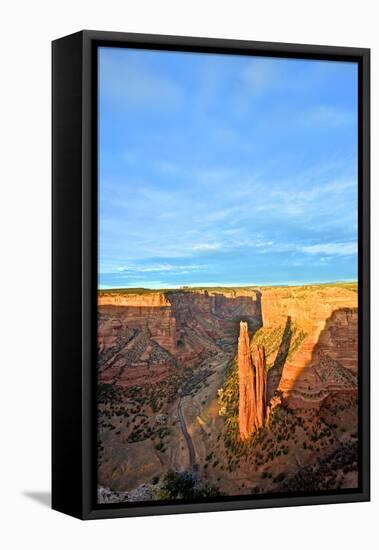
x=143 y=338
x=326 y=360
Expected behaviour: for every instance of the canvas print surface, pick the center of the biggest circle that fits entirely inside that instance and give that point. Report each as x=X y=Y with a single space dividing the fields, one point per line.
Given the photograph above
x=227 y=276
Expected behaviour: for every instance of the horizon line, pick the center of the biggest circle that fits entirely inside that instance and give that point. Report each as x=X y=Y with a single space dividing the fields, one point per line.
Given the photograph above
x=226 y=285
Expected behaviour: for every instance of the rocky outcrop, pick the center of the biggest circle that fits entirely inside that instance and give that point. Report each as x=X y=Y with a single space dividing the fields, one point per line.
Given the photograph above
x=247 y=404
x=252 y=384
x=105 y=495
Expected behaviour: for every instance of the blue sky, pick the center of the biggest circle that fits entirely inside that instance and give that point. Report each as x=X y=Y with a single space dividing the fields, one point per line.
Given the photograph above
x=225 y=170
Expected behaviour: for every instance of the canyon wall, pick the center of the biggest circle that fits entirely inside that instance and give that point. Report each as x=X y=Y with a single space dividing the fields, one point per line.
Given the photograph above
x=159 y=322
x=326 y=358
x=147 y=299
x=144 y=337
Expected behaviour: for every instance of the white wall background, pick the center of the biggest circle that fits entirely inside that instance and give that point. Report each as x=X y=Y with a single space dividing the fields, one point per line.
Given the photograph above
x=26 y=31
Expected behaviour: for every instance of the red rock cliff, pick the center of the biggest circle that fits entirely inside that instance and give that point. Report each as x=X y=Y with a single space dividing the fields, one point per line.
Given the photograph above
x=328 y=316
x=252 y=384
x=143 y=337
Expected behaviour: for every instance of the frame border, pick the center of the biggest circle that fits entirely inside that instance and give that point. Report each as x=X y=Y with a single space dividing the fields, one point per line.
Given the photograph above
x=75 y=109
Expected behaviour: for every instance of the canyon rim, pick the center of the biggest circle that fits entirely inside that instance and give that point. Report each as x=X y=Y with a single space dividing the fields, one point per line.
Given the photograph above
x=237 y=391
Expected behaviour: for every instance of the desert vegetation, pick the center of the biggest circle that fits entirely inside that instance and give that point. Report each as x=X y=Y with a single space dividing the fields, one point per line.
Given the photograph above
x=184 y=485
x=169 y=387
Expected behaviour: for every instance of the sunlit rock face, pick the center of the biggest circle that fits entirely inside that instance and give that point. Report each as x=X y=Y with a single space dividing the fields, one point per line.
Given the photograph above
x=252 y=384
x=326 y=359
x=159 y=348
x=247 y=403
x=146 y=337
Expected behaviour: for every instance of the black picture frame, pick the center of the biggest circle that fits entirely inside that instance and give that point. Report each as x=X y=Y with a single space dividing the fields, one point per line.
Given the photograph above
x=74 y=269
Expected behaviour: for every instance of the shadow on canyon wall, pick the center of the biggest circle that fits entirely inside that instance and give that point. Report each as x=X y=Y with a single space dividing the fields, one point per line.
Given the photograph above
x=200 y=312
x=336 y=347
x=201 y=317
x=275 y=373
x=339 y=337
x=255 y=321
x=225 y=307
x=188 y=328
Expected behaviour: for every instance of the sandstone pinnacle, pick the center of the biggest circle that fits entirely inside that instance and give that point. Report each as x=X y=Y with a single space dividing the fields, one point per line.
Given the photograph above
x=252 y=384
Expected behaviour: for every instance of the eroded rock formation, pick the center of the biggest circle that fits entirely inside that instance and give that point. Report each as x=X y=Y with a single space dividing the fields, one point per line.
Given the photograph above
x=310 y=340
x=252 y=384
x=143 y=338
x=247 y=403
x=326 y=359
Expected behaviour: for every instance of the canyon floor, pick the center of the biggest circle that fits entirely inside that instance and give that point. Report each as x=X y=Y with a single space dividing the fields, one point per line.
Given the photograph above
x=168 y=392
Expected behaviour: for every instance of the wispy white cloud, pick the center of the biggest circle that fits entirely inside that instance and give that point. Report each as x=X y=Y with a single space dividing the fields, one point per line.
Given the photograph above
x=160 y=268
x=206 y=247
x=331 y=249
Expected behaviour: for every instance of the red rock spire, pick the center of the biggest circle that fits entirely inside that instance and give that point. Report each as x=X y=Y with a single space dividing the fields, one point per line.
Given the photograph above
x=252 y=384
x=247 y=404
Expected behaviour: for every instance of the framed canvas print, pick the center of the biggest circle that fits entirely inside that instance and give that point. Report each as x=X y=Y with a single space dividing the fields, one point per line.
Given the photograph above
x=210 y=274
